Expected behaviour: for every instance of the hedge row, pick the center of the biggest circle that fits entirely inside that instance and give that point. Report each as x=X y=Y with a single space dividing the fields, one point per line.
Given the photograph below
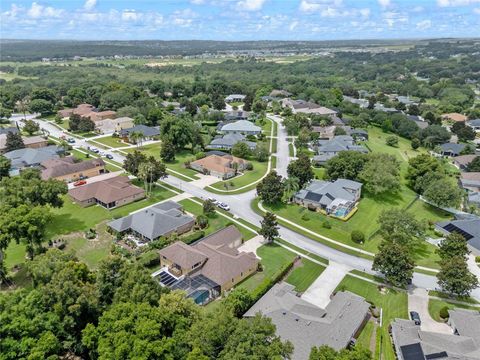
x=268 y=283
x=193 y=237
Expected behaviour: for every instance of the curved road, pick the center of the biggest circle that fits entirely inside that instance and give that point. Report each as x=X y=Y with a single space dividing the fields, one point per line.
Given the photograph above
x=240 y=207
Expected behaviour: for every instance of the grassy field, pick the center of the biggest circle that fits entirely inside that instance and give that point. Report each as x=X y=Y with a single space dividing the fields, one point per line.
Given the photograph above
x=304 y=274
x=274 y=257
x=111 y=141
x=248 y=176
x=365 y=337
x=393 y=303
x=215 y=222
x=434 y=307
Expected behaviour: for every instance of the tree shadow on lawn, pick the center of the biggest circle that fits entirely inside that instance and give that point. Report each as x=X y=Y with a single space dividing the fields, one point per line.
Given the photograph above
x=392 y=199
x=62 y=224
x=421 y=250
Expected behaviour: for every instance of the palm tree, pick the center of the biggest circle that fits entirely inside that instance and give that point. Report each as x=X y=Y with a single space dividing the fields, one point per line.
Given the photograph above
x=136 y=137
x=64 y=144
x=291 y=186
x=22 y=106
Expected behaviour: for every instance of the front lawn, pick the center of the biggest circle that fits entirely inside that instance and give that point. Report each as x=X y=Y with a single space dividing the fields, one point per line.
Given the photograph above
x=434 y=307
x=393 y=303
x=110 y=141
x=215 y=222
x=248 y=177
x=304 y=275
x=273 y=259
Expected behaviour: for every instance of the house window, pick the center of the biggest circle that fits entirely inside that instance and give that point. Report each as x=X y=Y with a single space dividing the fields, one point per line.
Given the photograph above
x=241 y=274
x=232 y=280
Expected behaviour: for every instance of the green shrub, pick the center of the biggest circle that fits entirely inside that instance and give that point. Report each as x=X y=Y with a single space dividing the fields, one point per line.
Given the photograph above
x=149 y=259
x=193 y=237
x=202 y=221
x=326 y=224
x=357 y=236
x=477 y=259
x=200 y=155
x=305 y=217
x=444 y=312
x=249 y=166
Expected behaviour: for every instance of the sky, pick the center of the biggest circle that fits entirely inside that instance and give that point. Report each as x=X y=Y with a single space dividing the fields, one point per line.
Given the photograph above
x=238 y=19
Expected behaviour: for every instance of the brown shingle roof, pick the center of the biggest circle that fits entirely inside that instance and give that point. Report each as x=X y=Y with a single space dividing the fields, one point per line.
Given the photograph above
x=106 y=191
x=473 y=176
x=221 y=164
x=183 y=255
x=455 y=117
x=464 y=160
x=64 y=166
x=33 y=140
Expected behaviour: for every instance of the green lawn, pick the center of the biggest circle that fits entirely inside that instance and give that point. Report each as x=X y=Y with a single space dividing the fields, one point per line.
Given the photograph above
x=71 y=217
x=111 y=141
x=304 y=275
x=394 y=304
x=15 y=254
x=215 y=222
x=319 y=172
x=365 y=337
x=273 y=259
x=434 y=307
x=249 y=176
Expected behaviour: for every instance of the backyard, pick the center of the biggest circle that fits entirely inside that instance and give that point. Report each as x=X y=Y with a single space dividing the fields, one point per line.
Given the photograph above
x=394 y=304
x=435 y=305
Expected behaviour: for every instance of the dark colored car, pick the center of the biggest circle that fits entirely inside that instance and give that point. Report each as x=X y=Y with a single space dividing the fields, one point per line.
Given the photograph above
x=109 y=156
x=415 y=317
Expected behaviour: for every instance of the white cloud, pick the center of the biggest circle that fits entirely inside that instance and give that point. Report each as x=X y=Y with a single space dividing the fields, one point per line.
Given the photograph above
x=316 y=5
x=197 y=2
x=130 y=15
x=424 y=25
x=476 y=11
x=365 y=12
x=38 y=11
x=418 y=9
x=384 y=3
x=293 y=25
x=448 y=3
x=90 y=5
x=392 y=18
x=250 y=5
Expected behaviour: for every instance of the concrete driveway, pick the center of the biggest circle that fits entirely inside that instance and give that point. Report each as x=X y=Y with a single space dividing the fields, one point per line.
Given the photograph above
x=252 y=245
x=418 y=301
x=319 y=292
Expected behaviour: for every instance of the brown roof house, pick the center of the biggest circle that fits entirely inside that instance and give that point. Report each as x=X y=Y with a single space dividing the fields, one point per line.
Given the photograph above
x=109 y=193
x=82 y=110
x=463 y=161
x=456 y=117
x=151 y=223
x=109 y=126
x=101 y=115
x=208 y=267
x=35 y=142
x=69 y=169
x=470 y=181
x=220 y=166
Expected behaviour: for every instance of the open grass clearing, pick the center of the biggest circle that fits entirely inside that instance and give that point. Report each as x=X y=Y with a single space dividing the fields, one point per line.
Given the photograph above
x=273 y=259
x=246 y=178
x=393 y=303
x=304 y=274
x=114 y=142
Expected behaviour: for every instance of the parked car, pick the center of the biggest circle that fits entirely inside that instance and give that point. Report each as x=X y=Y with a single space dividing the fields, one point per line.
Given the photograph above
x=223 y=206
x=415 y=317
x=71 y=140
x=213 y=200
x=79 y=182
x=94 y=149
x=109 y=156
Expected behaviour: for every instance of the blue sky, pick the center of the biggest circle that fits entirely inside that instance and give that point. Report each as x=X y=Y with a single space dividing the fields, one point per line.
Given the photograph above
x=238 y=19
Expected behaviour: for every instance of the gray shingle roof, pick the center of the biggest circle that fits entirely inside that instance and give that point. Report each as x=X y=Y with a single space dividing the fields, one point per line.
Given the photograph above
x=468 y=227
x=337 y=144
x=29 y=157
x=228 y=140
x=453 y=148
x=11 y=129
x=324 y=192
x=307 y=325
x=154 y=221
x=474 y=122
x=241 y=126
x=147 y=131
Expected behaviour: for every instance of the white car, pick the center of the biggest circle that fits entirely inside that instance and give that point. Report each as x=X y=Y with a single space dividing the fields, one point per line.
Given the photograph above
x=223 y=206
x=213 y=200
x=95 y=150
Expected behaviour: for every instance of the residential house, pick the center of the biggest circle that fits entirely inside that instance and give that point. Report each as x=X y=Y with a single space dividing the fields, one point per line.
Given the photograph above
x=455 y=117
x=151 y=223
x=462 y=161
x=208 y=267
x=109 y=193
x=307 y=107
x=223 y=167
x=148 y=132
x=12 y=129
x=413 y=343
x=110 y=126
x=27 y=157
x=338 y=198
x=325 y=132
x=82 y=110
x=279 y=93
x=35 y=142
x=466 y=225
x=381 y=107
x=364 y=94
x=228 y=140
x=96 y=116
x=406 y=100
x=70 y=169
x=362 y=103
x=235 y=98
x=356 y=134
x=451 y=149
x=241 y=127
x=327 y=149
x=306 y=325
x=470 y=181
x=474 y=124
x=232 y=116
x=421 y=123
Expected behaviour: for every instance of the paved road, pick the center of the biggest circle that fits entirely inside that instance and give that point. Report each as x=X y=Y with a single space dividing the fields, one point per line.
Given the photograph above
x=240 y=207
